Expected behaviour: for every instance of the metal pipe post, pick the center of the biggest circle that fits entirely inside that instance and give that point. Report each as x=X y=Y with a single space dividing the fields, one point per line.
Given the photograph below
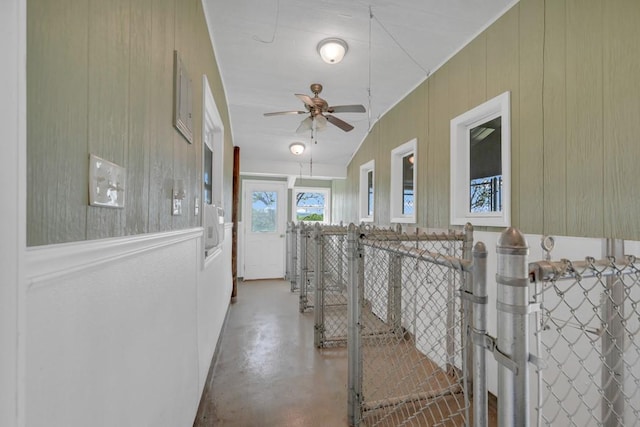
x=394 y=297
x=512 y=351
x=479 y=328
x=294 y=257
x=287 y=257
x=613 y=374
x=340 y=253
x=467 y=306
x=318 y=279
x=354 y=373
x=303 y=267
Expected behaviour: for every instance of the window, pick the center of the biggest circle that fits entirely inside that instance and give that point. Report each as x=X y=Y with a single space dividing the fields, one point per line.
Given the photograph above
x=480 y=164
x=367 y=179
x=311 y=205
x=212 y=167
x=403 y=182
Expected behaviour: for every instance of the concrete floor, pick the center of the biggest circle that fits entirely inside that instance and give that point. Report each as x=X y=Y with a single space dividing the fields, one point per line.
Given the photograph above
x=268 y=372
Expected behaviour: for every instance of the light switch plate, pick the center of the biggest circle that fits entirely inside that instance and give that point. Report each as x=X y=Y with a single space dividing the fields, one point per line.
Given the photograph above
x=106 y=183
x=177 y=207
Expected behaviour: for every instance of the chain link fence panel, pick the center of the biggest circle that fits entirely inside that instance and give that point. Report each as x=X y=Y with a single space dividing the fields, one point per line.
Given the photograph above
x=407 y=351
x=586 y=332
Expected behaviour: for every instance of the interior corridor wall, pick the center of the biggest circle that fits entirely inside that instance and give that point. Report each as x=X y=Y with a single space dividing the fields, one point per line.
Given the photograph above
x=119 y=313
x=100 y=80
x=572 y=72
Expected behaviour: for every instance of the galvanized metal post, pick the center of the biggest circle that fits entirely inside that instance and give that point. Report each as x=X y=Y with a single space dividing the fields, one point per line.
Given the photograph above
x=613 y=374
x=512 y=350
x=479 y=328
x=287 y=257
x=394 y=289
x=319 y=286
x=355 y=257
x=341 y=260
x=303 y=267
x=294 y=257
x=467 y=307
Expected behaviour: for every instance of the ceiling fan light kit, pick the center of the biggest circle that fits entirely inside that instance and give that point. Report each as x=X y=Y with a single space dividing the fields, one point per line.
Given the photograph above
x=296 y=148
x=332 y=50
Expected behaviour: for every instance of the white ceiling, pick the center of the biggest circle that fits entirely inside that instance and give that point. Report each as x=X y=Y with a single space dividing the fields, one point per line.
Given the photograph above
x=266 y=52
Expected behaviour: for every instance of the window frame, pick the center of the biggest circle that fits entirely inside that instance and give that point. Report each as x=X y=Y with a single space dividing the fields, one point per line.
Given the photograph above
x=460 y=163
x=327 y=205
x=365 y=169
x=211 y=214
x=396 y=197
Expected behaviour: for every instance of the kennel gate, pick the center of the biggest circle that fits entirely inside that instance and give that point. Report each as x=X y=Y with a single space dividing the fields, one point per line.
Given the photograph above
x=408 y=321
x=330 y=284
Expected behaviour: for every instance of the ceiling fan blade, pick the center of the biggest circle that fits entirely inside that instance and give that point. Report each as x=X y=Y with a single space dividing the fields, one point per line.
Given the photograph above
x=340 y=123
x=305 y=125
x=306 y=99
x=347 y=109
x=280 y=113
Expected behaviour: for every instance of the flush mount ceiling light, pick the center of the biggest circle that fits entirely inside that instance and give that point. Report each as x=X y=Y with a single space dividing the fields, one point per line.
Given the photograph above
x=332 y=50
x=296 y=148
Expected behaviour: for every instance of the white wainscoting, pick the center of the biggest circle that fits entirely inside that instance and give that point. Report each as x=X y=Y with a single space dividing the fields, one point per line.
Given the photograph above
x=121 y=331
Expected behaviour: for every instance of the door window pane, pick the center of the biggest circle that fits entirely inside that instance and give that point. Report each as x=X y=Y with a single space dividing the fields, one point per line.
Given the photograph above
x=264 y=211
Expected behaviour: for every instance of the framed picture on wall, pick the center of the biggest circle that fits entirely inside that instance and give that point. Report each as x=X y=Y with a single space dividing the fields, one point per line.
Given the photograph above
x=183 y=101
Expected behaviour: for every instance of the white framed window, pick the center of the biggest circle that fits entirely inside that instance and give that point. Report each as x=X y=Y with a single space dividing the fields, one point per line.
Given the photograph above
x=481 y=164
x=404 y=166
x=212 y=173
x=312 y=204
x=367 y=191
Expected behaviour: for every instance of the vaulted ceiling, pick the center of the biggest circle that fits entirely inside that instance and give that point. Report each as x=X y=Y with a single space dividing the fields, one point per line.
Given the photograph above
x=267 y=52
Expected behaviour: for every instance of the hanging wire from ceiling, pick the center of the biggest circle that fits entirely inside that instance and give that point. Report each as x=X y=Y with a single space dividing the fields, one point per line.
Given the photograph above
x=371 y=17
x=275 y=27
x=369 y=88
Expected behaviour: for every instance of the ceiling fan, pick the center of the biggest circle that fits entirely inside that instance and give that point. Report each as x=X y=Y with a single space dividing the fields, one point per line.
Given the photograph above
x=320 y=111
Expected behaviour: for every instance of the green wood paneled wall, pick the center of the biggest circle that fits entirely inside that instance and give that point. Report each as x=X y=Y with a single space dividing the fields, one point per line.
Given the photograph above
x=572 y=69
x=100 y=81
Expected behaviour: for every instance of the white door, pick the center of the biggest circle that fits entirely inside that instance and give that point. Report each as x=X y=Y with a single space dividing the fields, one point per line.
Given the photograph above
x=264 y=218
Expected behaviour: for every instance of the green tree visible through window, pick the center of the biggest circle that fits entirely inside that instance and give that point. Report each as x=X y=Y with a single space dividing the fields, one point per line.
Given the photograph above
x=310 y=206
